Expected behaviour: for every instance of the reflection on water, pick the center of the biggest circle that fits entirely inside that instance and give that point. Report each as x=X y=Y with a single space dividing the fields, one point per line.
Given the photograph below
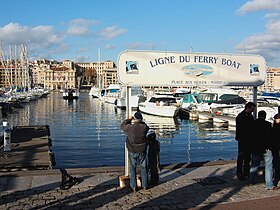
x=164 y=127
x=86 y=133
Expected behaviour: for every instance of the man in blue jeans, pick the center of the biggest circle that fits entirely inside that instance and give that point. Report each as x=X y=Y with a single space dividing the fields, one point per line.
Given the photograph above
x=136 y=143
x=261 y=146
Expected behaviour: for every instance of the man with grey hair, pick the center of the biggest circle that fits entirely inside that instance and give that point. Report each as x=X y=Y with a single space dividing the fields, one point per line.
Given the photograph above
x=136 y=142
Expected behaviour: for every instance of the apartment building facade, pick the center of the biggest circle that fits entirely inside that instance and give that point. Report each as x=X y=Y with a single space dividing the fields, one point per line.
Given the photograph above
x=55 y=75
x=105 y=72
x=272 y=80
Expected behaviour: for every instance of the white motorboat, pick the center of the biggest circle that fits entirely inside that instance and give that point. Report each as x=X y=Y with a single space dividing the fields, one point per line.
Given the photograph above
x=112 y=93
x=160 y=105
x=212 y=98
x=136 y=97
x=95 y=92
x=272 y=100
x=71 y=94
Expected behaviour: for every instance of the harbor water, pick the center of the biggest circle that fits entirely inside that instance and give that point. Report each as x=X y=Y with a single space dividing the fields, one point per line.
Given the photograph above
x=86 y=133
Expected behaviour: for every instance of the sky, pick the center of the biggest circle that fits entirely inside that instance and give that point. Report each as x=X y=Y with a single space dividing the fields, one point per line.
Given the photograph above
x=76 y=29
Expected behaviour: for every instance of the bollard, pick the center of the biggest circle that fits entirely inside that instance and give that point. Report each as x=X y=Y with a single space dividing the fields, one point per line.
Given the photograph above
x=7 y=137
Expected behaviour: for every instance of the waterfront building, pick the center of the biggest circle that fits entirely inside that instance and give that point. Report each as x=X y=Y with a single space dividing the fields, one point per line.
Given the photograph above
x=38 y=69
x=60 y=77
x=272 y=81
x=104 y=73
x=54 y=75
x=109 y=76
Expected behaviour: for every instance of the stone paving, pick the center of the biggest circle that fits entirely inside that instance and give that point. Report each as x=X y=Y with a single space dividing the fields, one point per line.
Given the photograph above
x=180 y=188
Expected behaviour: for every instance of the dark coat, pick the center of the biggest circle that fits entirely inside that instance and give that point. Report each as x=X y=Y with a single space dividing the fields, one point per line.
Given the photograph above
x=276 y=136
x=136 y=132
x=262 y=136
x=153 y=156
x=244 y=130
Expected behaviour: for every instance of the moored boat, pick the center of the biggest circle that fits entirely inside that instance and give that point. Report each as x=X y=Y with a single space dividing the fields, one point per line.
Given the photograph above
x=70 y=94
x=212 y=98
x=112 y=93
x=135 y=98
x=94 y=92
x=160 y=105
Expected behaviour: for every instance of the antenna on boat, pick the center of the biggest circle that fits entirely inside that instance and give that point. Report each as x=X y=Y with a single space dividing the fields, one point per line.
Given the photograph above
x=191 y=49
x=244 y=50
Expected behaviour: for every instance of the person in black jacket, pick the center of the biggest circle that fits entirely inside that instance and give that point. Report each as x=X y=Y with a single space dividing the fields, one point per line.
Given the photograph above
x=244 y=132
x=136 y=143
x=153 y=157
x=276 y=147
x=261 y=148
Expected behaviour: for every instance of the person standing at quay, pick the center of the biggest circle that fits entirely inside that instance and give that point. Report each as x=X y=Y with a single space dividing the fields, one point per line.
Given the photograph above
x=153 y=157
x=244 y=132
x=136 y=142
x=261 y=148
x=276 y=147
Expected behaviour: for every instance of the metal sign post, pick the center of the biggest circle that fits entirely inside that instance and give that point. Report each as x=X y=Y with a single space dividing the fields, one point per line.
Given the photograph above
x=128 y=113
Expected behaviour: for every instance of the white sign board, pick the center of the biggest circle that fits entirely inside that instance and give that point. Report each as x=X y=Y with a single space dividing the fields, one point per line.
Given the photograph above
x=150 y=68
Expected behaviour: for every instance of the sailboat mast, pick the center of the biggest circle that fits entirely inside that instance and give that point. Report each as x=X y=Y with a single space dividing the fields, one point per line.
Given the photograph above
x=99 y=71
x=4 y=66
x=11 y=66
x=27 y=68
x=16 y=68
x=24 y=67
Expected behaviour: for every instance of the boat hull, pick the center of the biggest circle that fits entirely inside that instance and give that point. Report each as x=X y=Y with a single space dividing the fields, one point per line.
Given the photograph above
x=163 y=111
x=70 y=94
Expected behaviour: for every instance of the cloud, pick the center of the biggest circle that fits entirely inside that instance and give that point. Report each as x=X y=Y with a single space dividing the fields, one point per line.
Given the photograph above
x=111 y=32
x=266 y=44
x=42 y=36
x=272 y=15
x=82 y=50
x=40 y=40
x=273 y=26
x=257 y=5
x=140 y=45
x=110 y=46
x=82 y=59
x=61 y=49
x=81 y=27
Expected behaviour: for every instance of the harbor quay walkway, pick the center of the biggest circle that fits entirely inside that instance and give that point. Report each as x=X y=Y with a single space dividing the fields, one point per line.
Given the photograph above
x=210 y=185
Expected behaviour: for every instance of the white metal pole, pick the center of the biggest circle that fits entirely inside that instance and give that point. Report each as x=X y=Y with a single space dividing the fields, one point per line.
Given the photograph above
x=128 y=113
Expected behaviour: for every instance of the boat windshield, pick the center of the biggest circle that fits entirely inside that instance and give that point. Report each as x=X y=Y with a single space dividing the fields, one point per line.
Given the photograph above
x=192 y=98
x=228 y=96
x=208 y=97
x=113 y=90
x=164 y=100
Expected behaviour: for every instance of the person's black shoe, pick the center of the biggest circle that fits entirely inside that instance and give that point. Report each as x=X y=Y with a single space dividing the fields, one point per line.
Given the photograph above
x=134 y=190
x=241 y=177
x=275 y=182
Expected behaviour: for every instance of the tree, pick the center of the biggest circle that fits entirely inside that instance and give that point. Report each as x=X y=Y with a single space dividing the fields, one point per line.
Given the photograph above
x=90 y=75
